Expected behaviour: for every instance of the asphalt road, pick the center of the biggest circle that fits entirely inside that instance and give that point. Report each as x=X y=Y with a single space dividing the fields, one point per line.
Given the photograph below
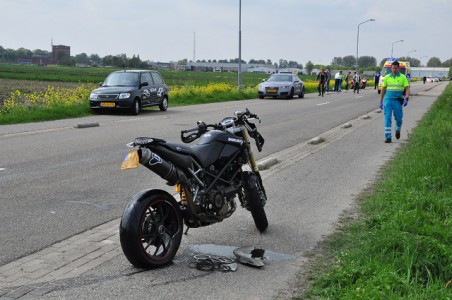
x=58 y=181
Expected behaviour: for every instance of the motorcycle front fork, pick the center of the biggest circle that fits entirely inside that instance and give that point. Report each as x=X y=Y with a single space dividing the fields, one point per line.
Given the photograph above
x=253 y=163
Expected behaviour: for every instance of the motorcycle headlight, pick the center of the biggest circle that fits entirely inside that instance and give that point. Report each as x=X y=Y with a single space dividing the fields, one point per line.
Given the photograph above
x=124 y=95
x=93 y=96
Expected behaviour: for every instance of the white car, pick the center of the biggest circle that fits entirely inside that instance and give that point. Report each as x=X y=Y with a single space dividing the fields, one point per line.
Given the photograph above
x=281 y=85
x=432 y=79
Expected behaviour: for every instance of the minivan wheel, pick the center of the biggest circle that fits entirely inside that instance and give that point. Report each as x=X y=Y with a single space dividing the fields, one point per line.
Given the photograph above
x=164 y=105
x=135 y=109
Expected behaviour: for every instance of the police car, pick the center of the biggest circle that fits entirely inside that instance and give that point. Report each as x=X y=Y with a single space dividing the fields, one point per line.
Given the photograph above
x=130 y=90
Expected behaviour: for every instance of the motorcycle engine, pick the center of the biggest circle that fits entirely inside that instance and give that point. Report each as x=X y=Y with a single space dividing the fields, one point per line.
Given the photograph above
x=219 y=201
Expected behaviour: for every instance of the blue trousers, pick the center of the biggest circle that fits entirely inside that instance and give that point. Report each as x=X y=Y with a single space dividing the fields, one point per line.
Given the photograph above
x=390 y=107
x=336 y=84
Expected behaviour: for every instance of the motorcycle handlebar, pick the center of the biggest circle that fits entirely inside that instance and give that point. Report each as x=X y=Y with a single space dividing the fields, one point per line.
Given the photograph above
x=196 y=132
x=242 y=116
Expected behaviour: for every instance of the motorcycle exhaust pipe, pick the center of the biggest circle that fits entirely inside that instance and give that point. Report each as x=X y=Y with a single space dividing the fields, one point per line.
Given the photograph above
x=158 y=165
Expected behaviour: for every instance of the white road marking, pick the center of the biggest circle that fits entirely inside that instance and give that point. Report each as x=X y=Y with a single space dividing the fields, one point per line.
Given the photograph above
x=323 y=103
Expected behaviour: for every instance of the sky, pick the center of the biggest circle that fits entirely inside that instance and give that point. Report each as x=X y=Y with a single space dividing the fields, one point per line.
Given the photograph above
x=171 y=30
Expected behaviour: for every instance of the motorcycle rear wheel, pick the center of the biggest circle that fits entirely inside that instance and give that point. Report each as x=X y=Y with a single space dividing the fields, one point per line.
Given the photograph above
x=255 y=194
x=151 y=230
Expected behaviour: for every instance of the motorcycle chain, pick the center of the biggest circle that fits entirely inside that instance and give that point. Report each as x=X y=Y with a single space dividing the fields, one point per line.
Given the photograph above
x=213 y=263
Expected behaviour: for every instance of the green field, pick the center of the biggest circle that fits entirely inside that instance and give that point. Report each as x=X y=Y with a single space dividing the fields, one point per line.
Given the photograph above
x=96 y=75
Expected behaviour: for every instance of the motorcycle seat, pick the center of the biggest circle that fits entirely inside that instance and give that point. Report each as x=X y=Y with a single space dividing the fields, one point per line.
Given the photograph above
x=179 y=148
x=185 y=153
x=205 y=154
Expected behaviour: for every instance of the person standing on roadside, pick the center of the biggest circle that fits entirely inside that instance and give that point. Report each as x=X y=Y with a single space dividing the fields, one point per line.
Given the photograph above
x=340 y=82
x=321 y=78
x=337 y=81
x=328 y=78
x=347 y=80
x=395 y=93
x=376 y=80
x=357 y=82
x=424 y=79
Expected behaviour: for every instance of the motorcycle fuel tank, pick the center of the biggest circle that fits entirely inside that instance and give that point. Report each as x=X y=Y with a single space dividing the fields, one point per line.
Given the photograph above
x=217 y=145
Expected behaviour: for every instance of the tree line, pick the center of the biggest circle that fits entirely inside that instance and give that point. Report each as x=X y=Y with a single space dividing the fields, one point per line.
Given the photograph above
x=122 y=61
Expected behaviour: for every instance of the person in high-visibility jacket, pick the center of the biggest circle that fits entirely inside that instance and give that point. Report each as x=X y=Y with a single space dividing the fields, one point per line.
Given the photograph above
x=394 y=93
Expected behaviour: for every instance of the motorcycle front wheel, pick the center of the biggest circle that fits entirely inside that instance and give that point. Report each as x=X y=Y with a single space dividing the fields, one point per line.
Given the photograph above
x=255 y=195
x=151 y=230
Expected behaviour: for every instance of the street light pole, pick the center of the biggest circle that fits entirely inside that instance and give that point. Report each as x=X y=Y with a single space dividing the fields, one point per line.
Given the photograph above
x=392 y=49
x=240 y=47
x=357 y=40
x=408 y=54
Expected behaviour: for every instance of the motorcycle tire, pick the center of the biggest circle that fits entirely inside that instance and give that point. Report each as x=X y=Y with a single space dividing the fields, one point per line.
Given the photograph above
x=254 y=192
x=151 y=229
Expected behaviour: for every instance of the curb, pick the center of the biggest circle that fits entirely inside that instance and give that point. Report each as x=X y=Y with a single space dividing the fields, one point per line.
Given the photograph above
x=317 y=140
x=267 y=163
x=86 y=125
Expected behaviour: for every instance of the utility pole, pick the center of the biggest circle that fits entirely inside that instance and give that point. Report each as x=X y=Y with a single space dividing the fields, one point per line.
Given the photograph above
x=240 y=47
x=194 y=46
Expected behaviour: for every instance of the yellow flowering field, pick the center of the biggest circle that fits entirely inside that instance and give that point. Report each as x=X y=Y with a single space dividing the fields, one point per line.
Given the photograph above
x=191 y=94
x=23 y=101
x=53 y=96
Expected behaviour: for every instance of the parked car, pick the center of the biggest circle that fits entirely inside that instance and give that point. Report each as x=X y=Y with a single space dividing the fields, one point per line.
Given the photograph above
x=130 y=90
x=281 y=85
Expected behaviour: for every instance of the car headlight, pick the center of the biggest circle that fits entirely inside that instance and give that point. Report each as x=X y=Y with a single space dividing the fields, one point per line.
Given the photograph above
x=124 y=95
x=93 y=96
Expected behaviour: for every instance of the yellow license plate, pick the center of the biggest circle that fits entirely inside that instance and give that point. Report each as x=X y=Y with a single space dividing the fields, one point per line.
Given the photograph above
x=107 y=104
x=130 y=161
x=271 y=90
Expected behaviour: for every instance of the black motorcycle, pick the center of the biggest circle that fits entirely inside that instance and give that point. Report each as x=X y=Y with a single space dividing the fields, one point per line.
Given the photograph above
x=208 y=177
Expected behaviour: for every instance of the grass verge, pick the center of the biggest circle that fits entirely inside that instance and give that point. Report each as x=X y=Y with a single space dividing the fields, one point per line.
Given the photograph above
x=55 y=112
x=400 y=246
